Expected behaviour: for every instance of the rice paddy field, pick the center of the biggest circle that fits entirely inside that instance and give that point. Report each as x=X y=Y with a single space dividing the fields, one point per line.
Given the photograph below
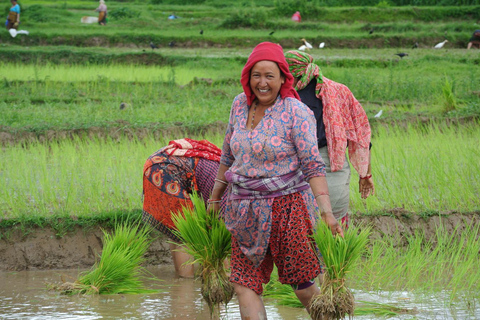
x=83 y=106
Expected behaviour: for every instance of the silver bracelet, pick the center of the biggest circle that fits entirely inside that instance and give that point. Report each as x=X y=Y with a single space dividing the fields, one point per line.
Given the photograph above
x=221 y=181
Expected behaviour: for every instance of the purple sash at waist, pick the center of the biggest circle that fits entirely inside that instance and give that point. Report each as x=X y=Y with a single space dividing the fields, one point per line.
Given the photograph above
x=262 y=188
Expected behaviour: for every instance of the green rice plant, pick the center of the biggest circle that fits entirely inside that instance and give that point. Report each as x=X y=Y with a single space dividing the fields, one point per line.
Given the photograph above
x=363 y=308
x=119 y=269
x=285 y=296
x=450 y=102
x=423 y=168
x=339 y=255
x=209 y=242
x=448 y=260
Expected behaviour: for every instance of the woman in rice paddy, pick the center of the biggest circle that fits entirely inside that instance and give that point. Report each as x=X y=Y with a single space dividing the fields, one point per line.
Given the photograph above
x=276 y=184
x=170 y=175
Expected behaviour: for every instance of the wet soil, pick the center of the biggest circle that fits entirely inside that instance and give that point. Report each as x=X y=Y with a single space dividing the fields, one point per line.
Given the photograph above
x=41 y=248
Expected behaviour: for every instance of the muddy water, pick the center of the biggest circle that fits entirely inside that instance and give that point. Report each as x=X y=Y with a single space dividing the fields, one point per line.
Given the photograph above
x=24 y=295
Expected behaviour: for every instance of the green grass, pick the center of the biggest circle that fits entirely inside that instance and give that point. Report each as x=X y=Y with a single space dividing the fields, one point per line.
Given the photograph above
x=237 y=24
x=422 y=169
x=195 y=88
x=443 y=266
x=433 y=168
x=448 y=260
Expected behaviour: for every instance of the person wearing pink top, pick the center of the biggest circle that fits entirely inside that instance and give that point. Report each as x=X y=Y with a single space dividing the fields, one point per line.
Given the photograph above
x=341 y=123
x=297 y=17
x=102 y=13
x=275 y=181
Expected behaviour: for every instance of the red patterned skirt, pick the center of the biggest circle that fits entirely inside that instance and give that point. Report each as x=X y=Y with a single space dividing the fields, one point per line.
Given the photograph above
x=291 y=248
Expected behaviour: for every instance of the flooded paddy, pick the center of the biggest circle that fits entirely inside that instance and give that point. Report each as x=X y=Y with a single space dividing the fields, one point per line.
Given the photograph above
x=24 y=295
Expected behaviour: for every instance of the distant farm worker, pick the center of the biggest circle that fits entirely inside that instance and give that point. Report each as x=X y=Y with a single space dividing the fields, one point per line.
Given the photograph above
x=102 y=13
x=276 y=183
x=474 y=40
x=296 y=17
x=341 y=123
x=170 y=175
x=13 y=19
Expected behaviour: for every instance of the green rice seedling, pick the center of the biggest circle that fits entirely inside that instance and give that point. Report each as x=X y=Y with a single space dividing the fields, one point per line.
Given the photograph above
x=450 y=102
x=209 y=242
x=119 y=269
x=339 y=254
x=363 y=308
x=444 y=265
x=284 y=296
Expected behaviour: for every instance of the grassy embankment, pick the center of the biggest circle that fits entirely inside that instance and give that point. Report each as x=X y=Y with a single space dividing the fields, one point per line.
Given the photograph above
x=235 y=24
x=194 y=90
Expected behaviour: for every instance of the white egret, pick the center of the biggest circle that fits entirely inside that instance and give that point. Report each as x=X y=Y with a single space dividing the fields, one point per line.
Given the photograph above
x=307 y=45
x=321 y=45
x=440 y=45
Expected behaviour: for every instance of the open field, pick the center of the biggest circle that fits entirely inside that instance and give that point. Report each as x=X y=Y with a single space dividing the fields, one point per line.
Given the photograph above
x=193 y=88
x=83 y=106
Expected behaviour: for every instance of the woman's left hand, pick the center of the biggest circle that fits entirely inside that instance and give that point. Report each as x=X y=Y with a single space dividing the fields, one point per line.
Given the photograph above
x=366 y=187
x=333 y=224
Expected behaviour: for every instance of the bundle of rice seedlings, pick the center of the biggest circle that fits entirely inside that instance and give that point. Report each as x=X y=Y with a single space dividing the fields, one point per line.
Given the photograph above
x=335 y=300
x=209 y=242
x=119 y=269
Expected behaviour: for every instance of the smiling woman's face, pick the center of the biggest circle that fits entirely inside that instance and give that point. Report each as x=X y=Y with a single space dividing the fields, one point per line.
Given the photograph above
x=266 y=81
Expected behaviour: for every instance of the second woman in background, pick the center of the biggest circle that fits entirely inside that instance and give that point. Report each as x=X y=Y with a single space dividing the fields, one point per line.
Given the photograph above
x=341 y=123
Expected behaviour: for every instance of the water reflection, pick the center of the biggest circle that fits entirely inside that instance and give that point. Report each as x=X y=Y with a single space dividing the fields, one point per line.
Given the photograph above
x=24 y=295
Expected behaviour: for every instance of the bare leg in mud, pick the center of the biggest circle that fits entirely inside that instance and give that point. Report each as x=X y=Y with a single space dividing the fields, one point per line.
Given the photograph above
x=180 y=259
x=250 y=303
x=305 y=295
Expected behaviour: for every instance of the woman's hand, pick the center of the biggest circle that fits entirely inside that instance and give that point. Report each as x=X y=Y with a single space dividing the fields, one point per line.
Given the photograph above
x=213 y=207
x=330 y=220
x=366 y=187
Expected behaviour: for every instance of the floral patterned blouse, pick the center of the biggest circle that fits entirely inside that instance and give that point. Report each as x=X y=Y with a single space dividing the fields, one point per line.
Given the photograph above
x=284 y=141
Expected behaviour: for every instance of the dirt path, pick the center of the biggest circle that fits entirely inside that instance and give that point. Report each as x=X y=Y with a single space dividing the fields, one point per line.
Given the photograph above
x=42 y=249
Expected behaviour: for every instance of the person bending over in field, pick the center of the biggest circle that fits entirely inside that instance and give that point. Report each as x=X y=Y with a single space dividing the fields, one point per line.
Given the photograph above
x=170 y=175
x=474 y=40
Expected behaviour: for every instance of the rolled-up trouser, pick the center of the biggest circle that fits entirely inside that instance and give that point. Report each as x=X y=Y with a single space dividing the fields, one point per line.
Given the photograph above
x=338 y=186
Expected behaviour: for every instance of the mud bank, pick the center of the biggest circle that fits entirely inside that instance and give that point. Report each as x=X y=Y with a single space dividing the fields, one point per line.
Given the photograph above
x=41 y=248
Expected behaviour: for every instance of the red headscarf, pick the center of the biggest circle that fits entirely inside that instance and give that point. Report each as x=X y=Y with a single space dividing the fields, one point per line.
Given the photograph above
x=271 y=52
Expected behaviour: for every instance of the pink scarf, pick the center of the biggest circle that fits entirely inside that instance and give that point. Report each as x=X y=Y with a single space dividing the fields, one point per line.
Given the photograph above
x=193 y=149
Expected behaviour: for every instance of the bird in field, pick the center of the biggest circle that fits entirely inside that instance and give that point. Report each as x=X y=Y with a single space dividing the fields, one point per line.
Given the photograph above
x=415 y=45
x=302 y=47
x=201 y=31
x=271 y=33
x=321 y=45
x=123 y=105
x=153 y=46
x=171 y=44
x=371 y=31
x=440 y=45
x=401 y=54
x=307 y=45
x=379 y=114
